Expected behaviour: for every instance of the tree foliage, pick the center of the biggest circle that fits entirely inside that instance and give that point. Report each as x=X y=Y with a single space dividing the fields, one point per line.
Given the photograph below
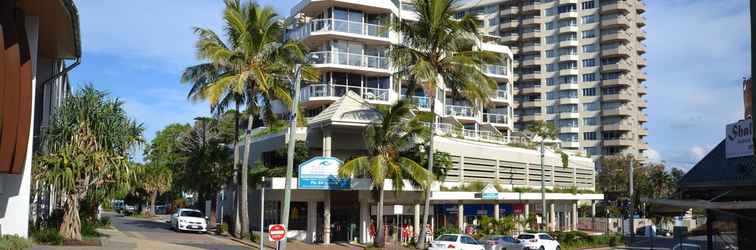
x=90 y=138
x=205 y=162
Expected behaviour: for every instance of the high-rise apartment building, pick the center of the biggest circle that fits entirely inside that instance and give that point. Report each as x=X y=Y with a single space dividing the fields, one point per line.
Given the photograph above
x=578 y=64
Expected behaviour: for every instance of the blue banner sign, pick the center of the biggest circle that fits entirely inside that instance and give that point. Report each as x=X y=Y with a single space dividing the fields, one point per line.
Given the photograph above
x=322 y=173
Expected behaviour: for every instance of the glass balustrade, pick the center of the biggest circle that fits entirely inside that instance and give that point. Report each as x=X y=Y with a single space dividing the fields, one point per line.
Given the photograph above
x=339 y=25
x=326 y=90
x=349 y=59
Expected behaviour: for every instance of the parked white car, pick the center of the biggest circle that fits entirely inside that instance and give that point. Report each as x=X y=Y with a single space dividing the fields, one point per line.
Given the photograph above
x=538 y=241
x=686 y=246
x=455 y=241
x=189 y=220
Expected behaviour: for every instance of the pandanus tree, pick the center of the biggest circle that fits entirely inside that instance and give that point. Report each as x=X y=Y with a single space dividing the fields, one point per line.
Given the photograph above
x=438 y=51
x=385 y=139
x=154 y=179
x=90 y=138
x=250 y=68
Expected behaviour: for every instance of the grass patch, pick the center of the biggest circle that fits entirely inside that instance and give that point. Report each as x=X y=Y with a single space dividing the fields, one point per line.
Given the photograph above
x=49 y=236
x=14 y=242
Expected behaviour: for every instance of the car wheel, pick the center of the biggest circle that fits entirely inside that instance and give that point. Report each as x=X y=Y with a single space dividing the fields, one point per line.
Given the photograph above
x=558 y=248
x=542 y=248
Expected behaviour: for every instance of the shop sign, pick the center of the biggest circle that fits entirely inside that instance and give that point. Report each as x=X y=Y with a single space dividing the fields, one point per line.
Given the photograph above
x=322 y=173
x=398 y=209
x=738 y=139
x=518 y=208
x=489 y=192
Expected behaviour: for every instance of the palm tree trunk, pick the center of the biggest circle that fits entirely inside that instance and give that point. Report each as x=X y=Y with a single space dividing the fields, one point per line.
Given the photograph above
x=236 y=223
x=244 y=174
x=71 y=226
x=379 y=235
x=420 y=244
x=213 y=209
x=153 y=198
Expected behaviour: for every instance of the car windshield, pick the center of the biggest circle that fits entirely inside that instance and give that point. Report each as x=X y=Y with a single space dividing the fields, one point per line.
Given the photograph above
x=526 y=236
x=191 y=214
x=447 y=237
x=491 y=237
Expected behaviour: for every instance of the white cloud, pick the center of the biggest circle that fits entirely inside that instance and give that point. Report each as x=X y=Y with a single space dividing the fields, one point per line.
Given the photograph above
x=696 y=153
x=653 y=155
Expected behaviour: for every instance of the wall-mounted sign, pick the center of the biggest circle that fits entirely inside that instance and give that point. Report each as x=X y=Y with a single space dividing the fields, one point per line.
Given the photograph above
x=489 y=192
x=322 y=173
x=738 y=139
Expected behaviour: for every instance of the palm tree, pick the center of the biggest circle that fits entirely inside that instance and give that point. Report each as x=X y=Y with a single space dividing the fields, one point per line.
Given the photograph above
x=384 y=141
x=90 y=139
x=439 y=51
x=249 y=68
x=155 y=179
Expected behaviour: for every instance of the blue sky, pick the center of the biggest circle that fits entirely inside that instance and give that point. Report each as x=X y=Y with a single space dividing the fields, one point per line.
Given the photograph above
x=698 y=53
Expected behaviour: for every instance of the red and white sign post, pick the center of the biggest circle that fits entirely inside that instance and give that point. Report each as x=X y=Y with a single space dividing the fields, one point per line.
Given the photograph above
x=276 y=232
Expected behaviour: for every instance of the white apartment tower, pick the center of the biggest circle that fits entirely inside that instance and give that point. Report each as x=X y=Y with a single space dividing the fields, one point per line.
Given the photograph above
x=578 y=64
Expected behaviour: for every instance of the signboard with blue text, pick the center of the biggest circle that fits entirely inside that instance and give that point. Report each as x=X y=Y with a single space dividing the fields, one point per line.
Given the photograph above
x=322 y=173
x=489 y=192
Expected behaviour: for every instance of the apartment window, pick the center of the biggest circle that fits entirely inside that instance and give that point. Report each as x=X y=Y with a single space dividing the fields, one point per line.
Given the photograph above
x=590 y=77
x=591 y=151
x=590 y=136
x=611 y=76
x=589 y=63
x=569 y=123
x=588 y=5
x=568 y=65
x=550 y=25
x=569 y=137
x=549 y=11
x=493 y=21
x=567 y=8
x=590 y=121
x=551 y=39
x=568 y=108
x=567 y=23
x=589 y=19
x=551 y=67
x=589 y=48
x=568 y=51
x=592 y=106
x=589 y=33
x=571 y=93
x=589 y=91
x=550 y=81
x=552 y=95
x=550 y=53
x=568 y=79
x=568 y=37
x=551 y=110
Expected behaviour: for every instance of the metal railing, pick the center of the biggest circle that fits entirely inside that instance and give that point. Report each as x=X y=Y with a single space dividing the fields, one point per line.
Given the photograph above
x=496 y=69
x=495 y=118
x=501 y=94
x=351 y=59
x=328 y=90
x=339 y=25
x=421 y=101
x=455 y=110
x=445 y=129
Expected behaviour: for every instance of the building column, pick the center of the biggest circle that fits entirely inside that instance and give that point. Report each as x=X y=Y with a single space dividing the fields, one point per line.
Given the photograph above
x=327 y=141
x=416 y=224
x=312 y=221
x=461 y=217
x=552 y=216
x=364 y=222
x=327 y=219
x=574 y=219
x=496 y=211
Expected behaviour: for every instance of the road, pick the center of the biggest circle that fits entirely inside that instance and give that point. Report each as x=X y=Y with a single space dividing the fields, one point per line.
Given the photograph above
x=157 y=230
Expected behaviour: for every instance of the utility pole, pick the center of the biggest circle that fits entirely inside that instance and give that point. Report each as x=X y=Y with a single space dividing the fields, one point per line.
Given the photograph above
x=543 y=189
x=262 y=214
x=290 y=155
x=753 y=54
x=632 y=210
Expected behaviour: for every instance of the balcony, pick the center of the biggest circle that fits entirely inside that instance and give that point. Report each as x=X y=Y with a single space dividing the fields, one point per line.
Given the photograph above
x=496 y=118
x=567 y=86
x=536 y=20
x=535 y=61
x=642 y=89
x=642 y=104
x=330 y=58
x=565 y=58
x=622 y=81
x=619 y=142
x=510 y=38
x=528 y=8
x=640 y=21
x=618 y=36
x=643 y=131
x=571 y=14
x=532 y=104
x=641 y=62
x=569 y=115
x=642 y=118
x=641 y=49
x=500 y=95
x=510 y=11
x=618 y=111
x=529 y=90
x=621 y=96
x=643 y=146
x=497 y=71
x=567 y=72
x=532 y=117
x=532 y=35
x=531 y=48
x=615 y=7
x=460 y=111
x=568 y=43
x=422 y=102
x=338 y=26
x=620 y=126
x=641 y=35
x=640 y=7
x=329 y=92
x=569 y=130
x=616 y=22
x=568 y=29
x=619 y=66
x=620 y=51
x=642 y=76
x=569 y=100
x=532 y=76
x=509 y=25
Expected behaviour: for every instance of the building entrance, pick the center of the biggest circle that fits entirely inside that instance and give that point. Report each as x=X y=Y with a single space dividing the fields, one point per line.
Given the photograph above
x=344 y=216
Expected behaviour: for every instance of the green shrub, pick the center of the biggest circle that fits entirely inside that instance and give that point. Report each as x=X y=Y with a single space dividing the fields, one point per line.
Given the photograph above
x=446 y=230
x=48 y=236
x=14 y=242
x=222 y=228
x=89 y=229
x=104 y=222
x=254 y=237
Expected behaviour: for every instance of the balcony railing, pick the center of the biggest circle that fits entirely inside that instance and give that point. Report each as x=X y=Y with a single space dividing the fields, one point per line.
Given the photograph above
x=320 y=25
x=327 y=90
x=445 y=129
x=495 y=118
x=501 y=94
x=463 y=111
x=350 y=59
x=496 y=69
x=421 y=101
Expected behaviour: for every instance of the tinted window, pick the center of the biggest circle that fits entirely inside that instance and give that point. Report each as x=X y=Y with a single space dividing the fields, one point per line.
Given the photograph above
x=191 y=214
x=526 y=236
x=544 y=237
x=445 y=237
x=468 y=240
x=507 y=239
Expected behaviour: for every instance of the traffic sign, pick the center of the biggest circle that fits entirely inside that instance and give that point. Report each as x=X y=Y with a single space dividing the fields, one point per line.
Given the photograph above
x=276 y=232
